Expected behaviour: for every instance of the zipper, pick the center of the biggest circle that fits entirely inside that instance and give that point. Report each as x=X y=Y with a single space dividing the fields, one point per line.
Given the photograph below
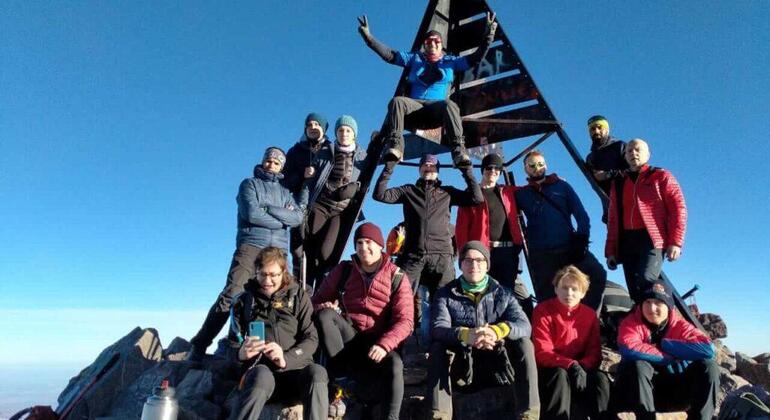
x=633 y=196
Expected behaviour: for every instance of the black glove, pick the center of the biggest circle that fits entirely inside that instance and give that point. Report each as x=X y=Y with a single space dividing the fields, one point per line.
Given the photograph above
x=579 y=376
x=578 y=247
x=363 y=27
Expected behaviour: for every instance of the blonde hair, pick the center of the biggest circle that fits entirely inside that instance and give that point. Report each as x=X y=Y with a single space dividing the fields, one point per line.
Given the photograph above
x=574 y=273
x=273 y=255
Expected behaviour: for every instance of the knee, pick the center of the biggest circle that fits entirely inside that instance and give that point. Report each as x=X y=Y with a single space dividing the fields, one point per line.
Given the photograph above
x=394 y=364
x=326 y=317
x=263 y=379
x=523 y=349
x=397 y=102
x=708 y=368
x=639 y=369
x=317 y=373
x=451 y=106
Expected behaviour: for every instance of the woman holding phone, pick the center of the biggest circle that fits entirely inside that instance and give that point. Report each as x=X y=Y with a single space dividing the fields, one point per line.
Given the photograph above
x=272 y=327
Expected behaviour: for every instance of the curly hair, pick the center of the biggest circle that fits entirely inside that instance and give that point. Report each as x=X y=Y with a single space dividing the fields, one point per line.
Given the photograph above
x=273 y=255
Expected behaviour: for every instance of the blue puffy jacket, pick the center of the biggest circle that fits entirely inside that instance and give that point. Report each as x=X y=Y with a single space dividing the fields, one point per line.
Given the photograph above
x=266 y=209
x=453 y=310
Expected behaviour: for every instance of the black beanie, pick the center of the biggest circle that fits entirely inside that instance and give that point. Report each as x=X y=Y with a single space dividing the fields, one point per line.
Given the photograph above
x=658 y=290
x=492 y=159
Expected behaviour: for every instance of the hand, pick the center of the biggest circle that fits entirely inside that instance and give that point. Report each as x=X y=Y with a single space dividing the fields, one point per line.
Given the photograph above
x=329 y=305
x=250 y=348
x=612 y=263
x=274 y=352
x=491 y=24
x=579 y=376
x=309 y=172
x=484 y=338
x=377 y=353
x=601 y=175
x=363 y=27
x=673 y=252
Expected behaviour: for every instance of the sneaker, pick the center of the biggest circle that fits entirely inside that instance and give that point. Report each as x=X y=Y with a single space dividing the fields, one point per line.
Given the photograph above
x=392 y=155
x=461 y=160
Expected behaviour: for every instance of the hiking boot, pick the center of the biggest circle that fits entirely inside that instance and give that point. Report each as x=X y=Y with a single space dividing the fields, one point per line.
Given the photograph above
x=394 y=149
x=337 y=407
x=460 y=156
x=195 y=355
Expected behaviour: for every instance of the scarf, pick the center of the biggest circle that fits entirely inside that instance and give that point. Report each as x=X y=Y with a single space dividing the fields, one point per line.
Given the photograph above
x=346 y=149
x=474 y=288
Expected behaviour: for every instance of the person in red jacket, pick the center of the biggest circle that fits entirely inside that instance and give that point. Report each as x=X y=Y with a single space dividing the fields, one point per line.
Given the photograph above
x=568 y=351
x=667 y=363
x=647 y=220
x=365 y=311
x=495 y=223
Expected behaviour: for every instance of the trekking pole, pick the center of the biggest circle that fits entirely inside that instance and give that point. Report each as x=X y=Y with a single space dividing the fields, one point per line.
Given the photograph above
x=690 y=292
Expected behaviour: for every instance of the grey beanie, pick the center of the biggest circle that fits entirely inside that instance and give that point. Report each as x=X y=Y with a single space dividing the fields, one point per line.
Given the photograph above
x=275 y=153
x=478 y=246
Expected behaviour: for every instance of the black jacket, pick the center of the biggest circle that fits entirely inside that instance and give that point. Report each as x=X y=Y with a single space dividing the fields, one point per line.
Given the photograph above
x=427 y=210
x=288 y=321
x=608 y=157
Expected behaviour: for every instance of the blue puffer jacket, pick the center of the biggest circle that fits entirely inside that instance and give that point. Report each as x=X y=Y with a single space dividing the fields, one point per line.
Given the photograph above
x=547 y=227
x=266 y=209
x=453 y=310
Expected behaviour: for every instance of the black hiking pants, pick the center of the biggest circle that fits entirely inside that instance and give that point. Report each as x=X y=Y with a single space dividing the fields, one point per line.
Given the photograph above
x=504 y=268
x=642 y=262
x=560 y=399
x=323 y=229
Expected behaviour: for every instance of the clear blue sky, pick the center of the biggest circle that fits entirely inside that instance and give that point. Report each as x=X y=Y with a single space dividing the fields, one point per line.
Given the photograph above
x=126 y=127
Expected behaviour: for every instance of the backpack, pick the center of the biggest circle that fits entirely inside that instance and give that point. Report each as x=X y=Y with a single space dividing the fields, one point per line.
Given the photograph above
x=743 y=406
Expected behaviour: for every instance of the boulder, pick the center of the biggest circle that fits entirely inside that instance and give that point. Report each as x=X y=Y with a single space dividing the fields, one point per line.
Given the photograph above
x=749 y=369
x=128 y=401
x=139 y=350
x=714 y=325
x=762 y=358
x=177 y=350
x=724 y=356
x=610 y=360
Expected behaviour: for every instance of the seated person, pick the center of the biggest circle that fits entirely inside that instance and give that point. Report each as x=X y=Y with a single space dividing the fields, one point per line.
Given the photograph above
x=667 y=363
x=365 y=311
x=280 y=364
x=482 y=324
x=568 y=351
x=430 y=77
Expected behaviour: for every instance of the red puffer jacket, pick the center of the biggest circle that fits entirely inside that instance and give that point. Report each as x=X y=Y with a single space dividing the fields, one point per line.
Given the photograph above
x=661 y=204
x=562 y=336
x=372 y=310
x=473 y=221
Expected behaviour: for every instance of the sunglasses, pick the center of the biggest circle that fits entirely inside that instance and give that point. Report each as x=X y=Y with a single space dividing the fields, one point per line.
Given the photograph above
x=536 y=165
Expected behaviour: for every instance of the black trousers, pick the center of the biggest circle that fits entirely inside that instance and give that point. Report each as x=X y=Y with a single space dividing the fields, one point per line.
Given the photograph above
x=242 y=268
x=423 y=114
x=308 y=385
x=348 y=356
x=323 y=229
x=561 y=401
x=545 y=263
x=433 y=271
x=642 y=262
x=505 y=269
x=645 y=389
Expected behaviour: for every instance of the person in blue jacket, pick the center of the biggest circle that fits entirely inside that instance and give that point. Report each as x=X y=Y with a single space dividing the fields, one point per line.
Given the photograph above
x=266 y=209
x=549 y=203
x=431 y=74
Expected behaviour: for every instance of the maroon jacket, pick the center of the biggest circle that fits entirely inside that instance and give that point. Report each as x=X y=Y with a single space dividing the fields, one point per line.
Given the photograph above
x=661 y=205
x=473 y=221
x=372 y=310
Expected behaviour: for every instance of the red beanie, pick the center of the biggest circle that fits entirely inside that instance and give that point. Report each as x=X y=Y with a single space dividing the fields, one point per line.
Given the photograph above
x=369 y=231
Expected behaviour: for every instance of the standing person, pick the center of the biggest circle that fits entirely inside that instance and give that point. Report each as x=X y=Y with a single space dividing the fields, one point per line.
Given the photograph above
x=482 y=324
x=431 y=74
x=266 y=209
x=568 y=352
x=365 y=311
x=647 y=220
x=334 y=195
x=309 y=162
x=427 y=253
x=279 y=365
x=666 y=362
x=495 y=222
x=606 y=159
x=549 y=204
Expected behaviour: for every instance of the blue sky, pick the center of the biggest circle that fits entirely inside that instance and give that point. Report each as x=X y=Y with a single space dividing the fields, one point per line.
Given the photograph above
x=126 y=127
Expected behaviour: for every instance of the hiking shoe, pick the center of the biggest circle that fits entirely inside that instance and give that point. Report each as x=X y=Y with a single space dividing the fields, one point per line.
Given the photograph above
x=461 y=159
x=392 y=155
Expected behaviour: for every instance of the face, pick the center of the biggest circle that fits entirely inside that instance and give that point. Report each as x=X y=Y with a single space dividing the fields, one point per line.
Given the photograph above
x=314 y=130
x=474 y=266
x=491 y=174
x=428 y=172
x=270 y=278
x=271 y=165
x=655 y=311
x=535 y=166
x=345 y=135
x=637 y=154
x=598 y=132
x=569 y=292
x=432 y=45
x=368 y=251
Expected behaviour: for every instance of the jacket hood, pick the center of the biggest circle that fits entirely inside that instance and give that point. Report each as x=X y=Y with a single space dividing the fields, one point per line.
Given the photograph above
x=260 y=173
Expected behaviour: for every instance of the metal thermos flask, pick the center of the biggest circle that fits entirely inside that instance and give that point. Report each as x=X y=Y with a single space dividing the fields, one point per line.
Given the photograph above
x=161 y=405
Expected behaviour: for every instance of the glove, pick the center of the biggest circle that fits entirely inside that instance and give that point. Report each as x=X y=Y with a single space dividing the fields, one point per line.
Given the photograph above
x=363 y=28
x=676 y=367
x=579 y=376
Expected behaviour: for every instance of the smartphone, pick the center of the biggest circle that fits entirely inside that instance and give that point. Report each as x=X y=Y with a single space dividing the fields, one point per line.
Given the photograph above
x=257 y=330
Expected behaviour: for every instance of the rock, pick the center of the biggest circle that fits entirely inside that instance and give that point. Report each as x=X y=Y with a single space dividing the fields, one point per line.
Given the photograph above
x=128 y=401
x=756 y=373
x=724 y=357
x=177 y=350
x=610 y=360
x=139 y=350
x=487 y=403
x=714 y=325
x=762 y=358
x=728 y=383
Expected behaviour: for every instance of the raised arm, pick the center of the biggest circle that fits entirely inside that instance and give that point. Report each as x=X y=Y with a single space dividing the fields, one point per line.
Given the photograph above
x=489 y=35
x=472 y=194
x=385 y=52
x=384 y=194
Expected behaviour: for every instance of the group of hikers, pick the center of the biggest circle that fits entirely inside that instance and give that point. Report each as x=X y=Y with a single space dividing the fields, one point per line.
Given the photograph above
x=483 y=328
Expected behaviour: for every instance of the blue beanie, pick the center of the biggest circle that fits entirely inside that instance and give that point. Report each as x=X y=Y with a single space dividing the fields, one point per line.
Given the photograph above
x=349 y=121
x=314 y=116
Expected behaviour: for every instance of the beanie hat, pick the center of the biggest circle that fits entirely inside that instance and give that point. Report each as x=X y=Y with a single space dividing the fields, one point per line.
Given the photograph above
x=434 y=33
x=275 y=153
x=369 y=231
x=492 y=159
x=598 y=119
x=658 y=290
x=349 y=121
x=478 y=246
x=313 y=116
x=428 y=159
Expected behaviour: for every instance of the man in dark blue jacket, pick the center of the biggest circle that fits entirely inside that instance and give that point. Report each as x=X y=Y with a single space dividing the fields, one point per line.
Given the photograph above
x=482 y=323
x=549 y=204
x=266 y=209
